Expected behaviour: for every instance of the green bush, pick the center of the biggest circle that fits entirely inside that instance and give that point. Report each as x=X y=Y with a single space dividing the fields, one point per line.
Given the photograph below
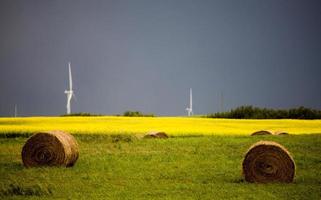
x=129 y=113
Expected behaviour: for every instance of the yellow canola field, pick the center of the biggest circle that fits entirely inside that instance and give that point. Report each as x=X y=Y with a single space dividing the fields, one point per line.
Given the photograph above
x=175 y=126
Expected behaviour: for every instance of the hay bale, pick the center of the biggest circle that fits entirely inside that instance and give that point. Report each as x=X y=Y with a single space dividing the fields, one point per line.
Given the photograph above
x=262 y=132
x=155 y=134
x=52 y=148
x=280 y=133
x=267 y=162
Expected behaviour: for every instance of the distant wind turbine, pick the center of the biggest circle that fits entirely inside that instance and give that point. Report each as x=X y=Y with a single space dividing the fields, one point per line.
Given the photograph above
x=15 y=110
x=190 y=108
x=70 y=92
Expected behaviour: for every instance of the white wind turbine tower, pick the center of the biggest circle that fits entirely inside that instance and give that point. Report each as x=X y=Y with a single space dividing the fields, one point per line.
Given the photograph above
x=70 y=92
x=190 y=108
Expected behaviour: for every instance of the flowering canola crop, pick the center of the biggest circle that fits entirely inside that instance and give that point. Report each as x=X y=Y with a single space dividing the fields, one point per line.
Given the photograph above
x=174 y=126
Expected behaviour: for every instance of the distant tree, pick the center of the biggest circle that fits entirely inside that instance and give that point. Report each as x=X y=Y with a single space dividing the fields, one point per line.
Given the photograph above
x=129 y=113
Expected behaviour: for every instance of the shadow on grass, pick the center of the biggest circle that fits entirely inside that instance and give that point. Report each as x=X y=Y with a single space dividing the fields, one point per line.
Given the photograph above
x=106 y=138
x=15 y=135
x=17 y=166
x=19 y=190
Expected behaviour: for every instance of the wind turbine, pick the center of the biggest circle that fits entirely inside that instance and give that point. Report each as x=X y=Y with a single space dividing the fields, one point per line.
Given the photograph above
x=15 y=110
x=70 y=92
x=190 y=108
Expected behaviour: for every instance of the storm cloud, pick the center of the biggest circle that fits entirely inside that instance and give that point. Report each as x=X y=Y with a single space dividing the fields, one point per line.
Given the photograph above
x=146 y=54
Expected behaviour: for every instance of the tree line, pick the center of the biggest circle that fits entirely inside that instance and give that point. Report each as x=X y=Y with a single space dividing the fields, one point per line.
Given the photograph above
x=250 y=112
x=127 y=113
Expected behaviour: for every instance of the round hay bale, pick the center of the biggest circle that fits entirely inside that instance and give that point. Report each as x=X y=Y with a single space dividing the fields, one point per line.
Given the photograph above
x=267 y=162
x=156 y=134
x=52 y=148
x=262 y=132
x=280 y=133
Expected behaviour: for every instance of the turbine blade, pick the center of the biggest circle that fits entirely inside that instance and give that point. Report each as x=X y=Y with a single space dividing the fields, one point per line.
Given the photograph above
x=70 y=77
x=191 y=99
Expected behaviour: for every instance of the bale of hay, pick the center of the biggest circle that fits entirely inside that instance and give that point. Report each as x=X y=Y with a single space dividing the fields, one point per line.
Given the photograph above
x=280 y=133
x=155 y=134
x=52 y=148
x=268 y=161
x=262 y=132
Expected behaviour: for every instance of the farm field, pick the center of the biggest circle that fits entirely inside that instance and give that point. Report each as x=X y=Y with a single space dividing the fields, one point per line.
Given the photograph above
x=124 y=167
x=174 y=126
x=201 y=160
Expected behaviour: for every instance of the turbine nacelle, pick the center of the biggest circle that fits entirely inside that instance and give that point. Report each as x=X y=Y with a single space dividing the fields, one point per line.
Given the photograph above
x=69 y=91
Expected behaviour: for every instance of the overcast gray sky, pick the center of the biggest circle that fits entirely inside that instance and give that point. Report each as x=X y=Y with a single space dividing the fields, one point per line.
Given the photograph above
x=146 y=54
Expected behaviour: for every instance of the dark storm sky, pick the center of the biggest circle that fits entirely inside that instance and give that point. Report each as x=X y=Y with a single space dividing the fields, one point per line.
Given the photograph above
x=146 y=54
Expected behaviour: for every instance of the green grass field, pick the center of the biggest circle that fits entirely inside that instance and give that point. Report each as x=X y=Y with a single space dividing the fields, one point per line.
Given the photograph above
x=114 y=166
